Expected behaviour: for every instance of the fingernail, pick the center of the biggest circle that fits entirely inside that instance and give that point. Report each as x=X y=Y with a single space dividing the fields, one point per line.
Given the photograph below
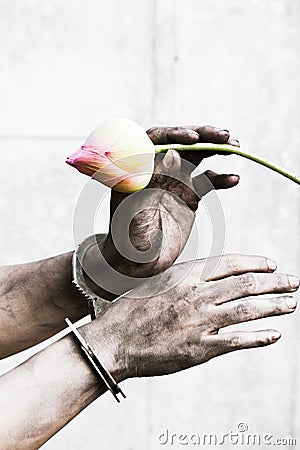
x=272 y=264
x=168 y=159
x=224 y=131
x=192 y=132
x=275 y=335
x=291 y=302
x=294 y=281
x=220 y=130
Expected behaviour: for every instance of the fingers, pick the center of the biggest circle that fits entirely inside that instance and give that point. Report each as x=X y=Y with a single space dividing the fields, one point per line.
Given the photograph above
x=240 y=286
x=169 y=163
x=210 y=180
x=208 y=133
x=166 y=170
x=173 y=135
x=190 y=135
x=222 y=181
x=239 y=340
x=234 y=142
x=252 y=308
x=227 y=265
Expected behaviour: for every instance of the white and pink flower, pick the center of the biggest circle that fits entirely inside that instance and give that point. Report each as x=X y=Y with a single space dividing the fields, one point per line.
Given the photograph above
x=119 y=154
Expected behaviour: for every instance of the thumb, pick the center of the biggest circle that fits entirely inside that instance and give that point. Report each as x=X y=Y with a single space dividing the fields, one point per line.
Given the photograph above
x=167 y=164
x=209 y=180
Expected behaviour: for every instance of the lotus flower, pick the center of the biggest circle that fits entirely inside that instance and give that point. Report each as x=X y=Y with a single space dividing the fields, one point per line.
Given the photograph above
x=120 y=155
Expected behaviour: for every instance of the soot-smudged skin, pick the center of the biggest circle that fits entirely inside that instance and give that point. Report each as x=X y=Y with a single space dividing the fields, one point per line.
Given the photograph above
x=168 y=205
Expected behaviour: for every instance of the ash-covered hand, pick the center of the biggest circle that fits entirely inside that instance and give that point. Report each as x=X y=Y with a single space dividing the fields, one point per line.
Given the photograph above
x=150 y=228
x=166 y=326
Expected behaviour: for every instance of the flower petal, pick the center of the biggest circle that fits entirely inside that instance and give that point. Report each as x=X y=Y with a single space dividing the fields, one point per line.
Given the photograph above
x=133 y=183
x=87 y=160
x=119 y=154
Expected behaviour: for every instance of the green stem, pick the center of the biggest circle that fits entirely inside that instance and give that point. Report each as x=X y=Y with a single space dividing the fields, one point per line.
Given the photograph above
x=229 y=149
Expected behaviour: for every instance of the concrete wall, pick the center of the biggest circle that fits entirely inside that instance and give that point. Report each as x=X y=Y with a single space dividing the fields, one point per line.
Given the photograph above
x=65 y=67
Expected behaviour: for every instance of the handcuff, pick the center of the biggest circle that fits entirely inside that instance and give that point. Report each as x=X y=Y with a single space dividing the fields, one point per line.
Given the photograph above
x=96 y=304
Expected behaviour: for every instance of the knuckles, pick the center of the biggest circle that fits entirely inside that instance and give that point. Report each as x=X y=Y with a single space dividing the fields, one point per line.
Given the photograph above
x=281 y=280
x=188 y=351
x=235 y=341
x=232 y=262
x=278 y=305
x=247 y=283
x=243 y=310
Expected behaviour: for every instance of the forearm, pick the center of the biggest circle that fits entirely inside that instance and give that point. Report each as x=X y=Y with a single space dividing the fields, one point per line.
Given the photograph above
x=144 y=335
x=43 y=394
x=35 y=298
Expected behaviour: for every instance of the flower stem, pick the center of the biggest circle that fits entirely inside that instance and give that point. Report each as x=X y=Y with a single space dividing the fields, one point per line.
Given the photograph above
x=228 y=149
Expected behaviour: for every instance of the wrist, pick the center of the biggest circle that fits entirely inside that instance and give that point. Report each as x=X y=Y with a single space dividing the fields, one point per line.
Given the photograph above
x=107 y=345
x=106 y=272
x=89 y=268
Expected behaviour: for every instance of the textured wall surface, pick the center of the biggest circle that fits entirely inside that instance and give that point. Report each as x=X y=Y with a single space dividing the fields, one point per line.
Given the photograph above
x=67 y=65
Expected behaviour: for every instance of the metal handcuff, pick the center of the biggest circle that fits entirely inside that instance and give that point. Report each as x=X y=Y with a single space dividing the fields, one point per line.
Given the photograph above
x=96 y=304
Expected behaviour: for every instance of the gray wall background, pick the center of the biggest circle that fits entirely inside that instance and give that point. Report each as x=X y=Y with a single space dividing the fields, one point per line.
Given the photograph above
x=67 y=66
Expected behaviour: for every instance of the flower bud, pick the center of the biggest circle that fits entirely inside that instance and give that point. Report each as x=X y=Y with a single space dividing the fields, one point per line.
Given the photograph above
x=119 y=154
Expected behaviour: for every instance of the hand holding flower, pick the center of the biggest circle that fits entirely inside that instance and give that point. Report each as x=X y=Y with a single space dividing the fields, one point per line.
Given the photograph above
x=120 y=154
x=168 y=204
